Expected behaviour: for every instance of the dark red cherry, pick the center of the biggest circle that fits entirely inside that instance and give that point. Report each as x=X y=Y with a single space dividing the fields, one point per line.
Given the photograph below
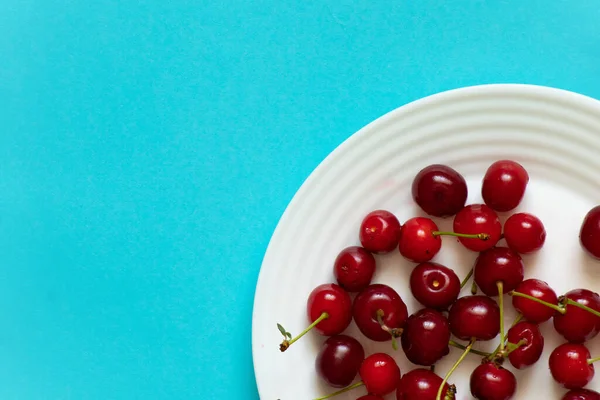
x=498 y=264
x=569 y=365
x=589 y=234
x=577 y=325
x=532 y=311
x=476 y=219
x=379 y=231
x=354 y=268
x=581 y=394
x=339 y=359
x=370 y=397
x=524 y=233
x=531 y=342
x=434 y=285
x=379 y=312
x=380 y=374
x=425 y=337
x=504 y=185
x=490 y=381
x=417 y=242
x=439 y=190
x=422 y=384
x=336 y=302
x=474 y=317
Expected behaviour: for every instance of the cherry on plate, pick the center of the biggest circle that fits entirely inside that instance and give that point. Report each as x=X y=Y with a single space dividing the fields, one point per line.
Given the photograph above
x=339 y=359
x=422 y=384
x=504 y=185
x=379 y=312
x=379 y=231
x=531 y=310
x=380 y=374
x=577 y=325
x=530 y=342
x=581 y=394
x=354 y=268
x=478 y=219
x=569 y=365
x=490 y=381
x=498 y=264
x=524 y=233
x=425 y=337
x=439 y=190
x=434 y=285
x=474 y=317
x=589 y=234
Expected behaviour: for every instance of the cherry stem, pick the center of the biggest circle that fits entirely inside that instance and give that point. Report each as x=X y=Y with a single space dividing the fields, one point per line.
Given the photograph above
x=512 y=347
x=462 y=347
x=394 y=332
x=344 y=390
x=583 y=307
x=464 y=282
x=593 y=360
x=482 y=236
x=474 y=288
x=497 y=350
x=500 y=286
x=545 y=303
x=456 y=364
x=287 y=343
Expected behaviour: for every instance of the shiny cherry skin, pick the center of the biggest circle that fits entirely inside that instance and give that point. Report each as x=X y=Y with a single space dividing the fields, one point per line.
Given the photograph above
x=474 y=317
x=578 y=325
x=336 y=302
x=439 y=190
x=475 y=219
x=380 y=374
x=530 y=352
x=434 y=285
x=532 y=311
x=581 y=394
x=417 y=242
x=498 y=264
x=490 y=381
x=569 y=365
x=368 y=303
x=354 y=268
x=524 y=233
x=504 y=185
x=425 y=337
x=339 y=359
x=589 y=233
x=422 y=384
x=379 y=231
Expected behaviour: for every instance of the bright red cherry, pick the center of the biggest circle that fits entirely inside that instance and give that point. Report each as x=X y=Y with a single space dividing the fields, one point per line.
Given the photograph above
x=425 y=337
x=530 y=341
x=581 y=394
x=504 y=185
x=498 y=264
x=578 y=325
x=569 y=365
x=524 y=233
x=379 y=312
x=379 y=231
x=417 y=240
x=354 y=268
x=434 y=285
x=490 y=381
x=477 y=219
x=339 y=359
x=532 y=311
x=422 y=384
x=589 y=234
x=439 y=190
x=474 y=317
x=380 y=374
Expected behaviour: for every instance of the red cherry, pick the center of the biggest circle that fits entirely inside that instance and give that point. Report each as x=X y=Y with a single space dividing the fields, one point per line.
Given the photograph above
x=354 y=268
x=524 y=233
x=425 y=337
x=581 y=394
x=439 y=190
x=434 y=285
x=490 y=381
x=379 y=312
x=417 y=241
x=532 y=311
x=498 y=264
x=589 y=234
x=339 y=359
x=569 y=365
x=474 y=317
x=577 y=325
x=530 y=351
x=422 y=384
x=475 y=219
x=380 y=374
x=370 y=397
x=504 y=185
x=379 y=231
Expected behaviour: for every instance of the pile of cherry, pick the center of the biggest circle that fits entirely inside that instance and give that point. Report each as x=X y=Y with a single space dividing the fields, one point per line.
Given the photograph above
x=447 y=319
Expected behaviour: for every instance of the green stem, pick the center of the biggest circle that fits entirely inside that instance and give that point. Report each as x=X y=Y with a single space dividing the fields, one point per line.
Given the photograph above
x=545 y=303
x=593 y=360
x=394 y=332
x=456 y=364
x=482 y=236
x=474 y=288
x=464 y=282
x=462 y=347
x=583 y=307
x=497 y=350
x=512 y=347
x=344 y=390
x=500 y=286
x=287 y=343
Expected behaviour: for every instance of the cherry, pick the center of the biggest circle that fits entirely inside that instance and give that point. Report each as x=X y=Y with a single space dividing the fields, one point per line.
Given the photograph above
x=422 y=384
x=477 y=218
x=524 y=233
x=379 y=312
x=578 y=325
x=370 y=397
x=329 y=309
x=571 y=366
x=589 y=234
x=498 y=264
x=581 y=394
x=504 y=185
x=339 y=359
x=354 y=268
x=533 y=311
x=379 y=231
x=530 y=344
x=439 y=190
x=434 y=285
x=425 y=337
x=474 y=317
x=490 y=381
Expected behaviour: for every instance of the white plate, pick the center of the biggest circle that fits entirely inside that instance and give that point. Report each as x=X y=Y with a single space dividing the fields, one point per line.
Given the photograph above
x=555 y=134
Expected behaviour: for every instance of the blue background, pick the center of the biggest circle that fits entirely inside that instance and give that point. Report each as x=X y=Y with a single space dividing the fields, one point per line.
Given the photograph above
x=148 y=149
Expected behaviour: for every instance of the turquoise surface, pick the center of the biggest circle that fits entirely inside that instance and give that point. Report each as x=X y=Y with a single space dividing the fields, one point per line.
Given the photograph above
x=148 y=149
